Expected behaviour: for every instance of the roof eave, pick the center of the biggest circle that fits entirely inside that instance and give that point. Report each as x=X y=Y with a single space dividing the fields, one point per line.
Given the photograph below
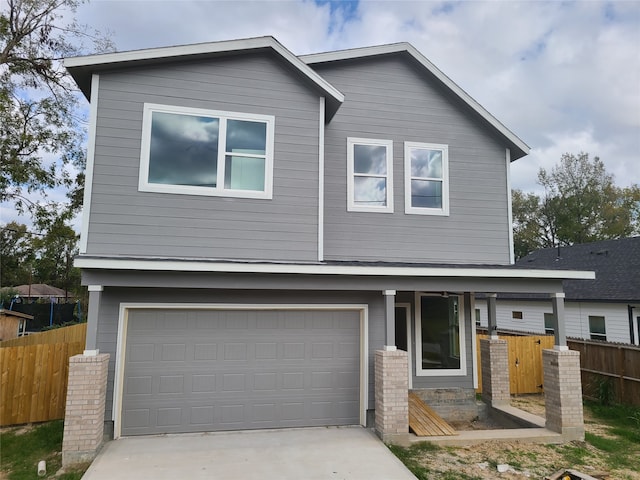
x=213 y=266
x=81 y=68
x=518 y=147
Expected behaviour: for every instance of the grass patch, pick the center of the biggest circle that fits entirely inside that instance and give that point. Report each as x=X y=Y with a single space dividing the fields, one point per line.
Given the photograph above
x=574 y=453
x=23 y=448
x=413 y=455
x=624 y=425
x=408 y=457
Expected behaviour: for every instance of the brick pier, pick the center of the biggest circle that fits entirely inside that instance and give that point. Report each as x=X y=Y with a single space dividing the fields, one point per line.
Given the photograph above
x=563 y=393
x=391 y=394
x=496 y=390
x=84 y=415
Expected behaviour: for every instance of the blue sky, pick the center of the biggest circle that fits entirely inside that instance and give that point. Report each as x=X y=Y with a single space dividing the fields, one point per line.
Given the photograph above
x=564 y=76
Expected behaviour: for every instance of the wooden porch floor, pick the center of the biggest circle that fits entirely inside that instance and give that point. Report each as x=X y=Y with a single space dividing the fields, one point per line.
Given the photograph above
x=424 y=422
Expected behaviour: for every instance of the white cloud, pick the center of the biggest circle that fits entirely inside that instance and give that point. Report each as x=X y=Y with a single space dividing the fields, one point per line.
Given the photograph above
x=564 y=76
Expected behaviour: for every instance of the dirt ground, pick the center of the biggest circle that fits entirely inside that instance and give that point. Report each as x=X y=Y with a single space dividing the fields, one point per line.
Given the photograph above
x=526 y=460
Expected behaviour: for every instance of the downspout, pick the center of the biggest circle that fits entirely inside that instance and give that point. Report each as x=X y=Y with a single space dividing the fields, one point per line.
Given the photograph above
x=631 y=329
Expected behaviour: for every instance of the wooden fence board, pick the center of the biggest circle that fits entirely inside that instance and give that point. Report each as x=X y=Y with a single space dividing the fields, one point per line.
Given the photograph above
x=614 y=364
x=617 y=364
x=33 y=379
x=72 y=334
x=525 y=361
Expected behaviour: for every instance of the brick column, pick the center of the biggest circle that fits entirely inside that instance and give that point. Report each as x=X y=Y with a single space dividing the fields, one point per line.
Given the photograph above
x=84 y=414
x=563 y=393
x=494 y=355
x=392 y=393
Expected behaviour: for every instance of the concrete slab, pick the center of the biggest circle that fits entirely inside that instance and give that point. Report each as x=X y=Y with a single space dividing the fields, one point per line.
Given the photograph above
x=345 y=453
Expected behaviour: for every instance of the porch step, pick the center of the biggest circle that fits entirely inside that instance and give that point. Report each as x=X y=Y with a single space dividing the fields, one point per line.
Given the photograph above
x=424 y=422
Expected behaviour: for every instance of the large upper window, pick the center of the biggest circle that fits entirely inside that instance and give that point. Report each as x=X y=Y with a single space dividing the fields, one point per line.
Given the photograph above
x=206 y=152
x=439 y=335
x=369 y=175
x=426 y=178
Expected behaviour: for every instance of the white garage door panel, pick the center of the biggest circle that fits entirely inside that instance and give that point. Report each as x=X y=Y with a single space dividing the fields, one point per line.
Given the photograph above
x=207 y=370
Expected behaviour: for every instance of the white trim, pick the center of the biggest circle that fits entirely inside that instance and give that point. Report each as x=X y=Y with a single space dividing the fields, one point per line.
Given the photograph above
x=91 y=153
x=90 y=353
x=512 y=257
x=219 y=190
x=352 y=206
x=410 y=339
x=321 y=121
x=558 y=295
x=388 y=292
x=390 y=348
x=95 y=288
x=320 y=269
x=411 y=50
x=408 y=208
x=443 y=372
x=204 y=49
x=123 y=320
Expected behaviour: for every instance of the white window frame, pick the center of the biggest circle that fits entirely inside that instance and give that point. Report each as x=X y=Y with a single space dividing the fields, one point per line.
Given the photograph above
x=440 y=372
x=597 y=334
x=351 y=204
x=548 y=331
x=444 y=211
x=218 y=191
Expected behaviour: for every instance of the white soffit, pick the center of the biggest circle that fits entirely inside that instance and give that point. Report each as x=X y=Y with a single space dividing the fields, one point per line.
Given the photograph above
x=324 y=269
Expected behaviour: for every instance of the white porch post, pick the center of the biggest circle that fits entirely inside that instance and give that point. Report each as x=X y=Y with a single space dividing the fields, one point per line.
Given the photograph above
x=390 y=319
x=91 y=341
x=559 y=328
x=491 y=316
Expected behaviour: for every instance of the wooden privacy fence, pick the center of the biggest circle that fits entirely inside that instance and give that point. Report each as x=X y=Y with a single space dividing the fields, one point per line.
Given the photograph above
x=33 y=376
x=609 y=367
x=525 y=361
x=72 y=334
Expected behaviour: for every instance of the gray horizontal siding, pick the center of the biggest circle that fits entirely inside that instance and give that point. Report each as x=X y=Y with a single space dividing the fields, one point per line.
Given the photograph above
x=124 y=221
x=112 y=297
x=388 y=98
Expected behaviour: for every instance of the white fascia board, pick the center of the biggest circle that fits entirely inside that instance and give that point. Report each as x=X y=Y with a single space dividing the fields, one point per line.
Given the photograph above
x=321 y=269
x=204 y=49
x=407 y=47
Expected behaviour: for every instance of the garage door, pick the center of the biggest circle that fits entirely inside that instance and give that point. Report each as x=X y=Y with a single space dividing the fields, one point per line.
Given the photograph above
x=209 y=370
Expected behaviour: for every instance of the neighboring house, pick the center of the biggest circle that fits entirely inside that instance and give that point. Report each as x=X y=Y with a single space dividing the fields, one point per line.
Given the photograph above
x=607 y=308
x=12 y=324
x=257 y=226
x=40 y=291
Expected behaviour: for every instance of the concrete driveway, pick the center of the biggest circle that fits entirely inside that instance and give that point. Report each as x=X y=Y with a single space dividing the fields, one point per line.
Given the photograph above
x=341 y=453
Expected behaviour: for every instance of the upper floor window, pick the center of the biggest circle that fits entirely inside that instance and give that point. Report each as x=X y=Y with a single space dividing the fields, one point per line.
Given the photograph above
x=516 y=315
x=426 y=180
x=369 y=175
x=206 y=152
x=597 y=328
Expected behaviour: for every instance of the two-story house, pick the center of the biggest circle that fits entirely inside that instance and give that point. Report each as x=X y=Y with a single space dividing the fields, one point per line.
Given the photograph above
x=258 y=225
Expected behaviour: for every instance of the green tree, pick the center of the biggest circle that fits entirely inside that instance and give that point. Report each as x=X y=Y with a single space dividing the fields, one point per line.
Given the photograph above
x=41 y=129
x=55 y=249
x=581 y=204
x=16 y=255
